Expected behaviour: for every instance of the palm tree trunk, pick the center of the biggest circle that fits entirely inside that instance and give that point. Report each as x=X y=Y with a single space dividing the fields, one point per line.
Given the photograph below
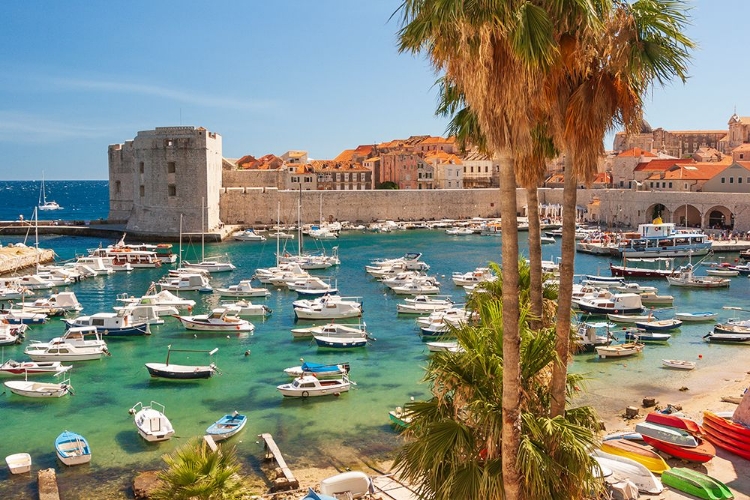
x=511 y=400
x=565 y=294
x=535 y=256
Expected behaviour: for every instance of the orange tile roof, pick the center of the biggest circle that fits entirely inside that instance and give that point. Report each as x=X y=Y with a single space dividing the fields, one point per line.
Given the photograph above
x=345 y=155
x=637 y=152
x=662 y=164
x=602 y=178
x=742 y=147
x=442 y=157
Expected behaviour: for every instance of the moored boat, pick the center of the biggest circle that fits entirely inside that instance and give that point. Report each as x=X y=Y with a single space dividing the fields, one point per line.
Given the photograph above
x=659 y=325
x=309 y=386
x=619 y=350
x=151 y=422
x=696 y=483
x=218 y=321
x=19 y=463
x=72 y=448
x=641 y=335
x=731 y=338
x=183 y=372
x=400 y=419
x=12 y=367
x=679 y=364
x=695 y=316
x=39 y=389
x=319 y=370
x=227 y=426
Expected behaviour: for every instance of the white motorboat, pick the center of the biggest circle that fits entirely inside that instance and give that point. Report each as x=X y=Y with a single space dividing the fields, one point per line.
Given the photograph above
x=72 y=448
x=662 y=239
x=338 y=336
x=724 y=272
x=17 y=316
x=696 y=316
x=248 y=235
x=328 y=307
x=310 y=386
x=626 y=468
x=449 y=346
x=212 y=266
x=478 y=275
x=27 y=368
x=245 y=308
x=312 y=287
x=653 y=299
x=588 y=336
x=684 y=277
x=243 y=289
x=11 y=334
x=679 y=364
x=618 y=303
x=459 y=231
x=422 y=304
x=19 y=463
x=219 y=320
x=417 y=287
x=149 y=314
x=186 y=282
x=634 y=288
x=32 y=389
x=54 y=305
x=151 y=422
x=77 y=344
x=619 y=350
x=114 y=324
x=163 y=298
x=319 y=370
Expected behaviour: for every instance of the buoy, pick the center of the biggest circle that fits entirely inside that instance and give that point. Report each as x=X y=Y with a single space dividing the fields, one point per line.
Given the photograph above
x=700 y=356
x=247 y=353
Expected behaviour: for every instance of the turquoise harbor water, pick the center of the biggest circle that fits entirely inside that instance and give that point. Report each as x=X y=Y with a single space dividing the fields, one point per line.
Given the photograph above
x=317 y=431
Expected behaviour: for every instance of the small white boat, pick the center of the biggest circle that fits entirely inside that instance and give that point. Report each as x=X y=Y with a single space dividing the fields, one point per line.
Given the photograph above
x=309 y=386
x=338 y=336
x=626 y=468
x=218 y=321
x=12 y=367
x=227 y=426
x=182 y=372
x=444 y=346
x=212 y=266
x=186 y=282
x=77 y=344
x=727 y=273
x=328 y=307
x=355 y=483
x=163 y=298
x=72 y=448
x=312 y=287
x=678 y=364
x=422 y=304
x=321 y=371
x=671 y=435
x=619 y=350
x=19 y=463
x=653 y=299
x=243 y=289
x=547 y=240
x=478 y=275
x=696 y=316
x=151 y=422
x=425 y=287
x=39 y=389
x=628 y=318
x=248 y=235
x=245 y=308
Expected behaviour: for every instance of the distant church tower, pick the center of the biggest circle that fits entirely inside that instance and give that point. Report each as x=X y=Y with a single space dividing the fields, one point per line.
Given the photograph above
x=162 y=174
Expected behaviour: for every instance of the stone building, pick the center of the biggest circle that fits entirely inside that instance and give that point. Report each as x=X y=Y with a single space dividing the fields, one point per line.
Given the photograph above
x=162 y=175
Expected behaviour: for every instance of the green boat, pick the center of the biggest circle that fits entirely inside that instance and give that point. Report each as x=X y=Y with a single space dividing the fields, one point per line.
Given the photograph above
x=696 y=484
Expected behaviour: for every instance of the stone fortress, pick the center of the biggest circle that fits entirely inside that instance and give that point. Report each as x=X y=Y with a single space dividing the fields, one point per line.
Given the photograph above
x=160 y=180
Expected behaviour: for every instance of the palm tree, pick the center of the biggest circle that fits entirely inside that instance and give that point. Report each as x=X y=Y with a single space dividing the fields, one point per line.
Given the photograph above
x=600 y=81
x=456 y=450
x=196 y=472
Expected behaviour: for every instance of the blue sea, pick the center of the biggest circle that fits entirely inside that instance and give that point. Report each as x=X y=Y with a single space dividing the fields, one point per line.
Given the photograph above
x=328 y=431
x=80 y=200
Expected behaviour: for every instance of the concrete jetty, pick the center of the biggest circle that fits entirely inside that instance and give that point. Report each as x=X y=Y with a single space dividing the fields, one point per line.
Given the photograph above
x=17 y=257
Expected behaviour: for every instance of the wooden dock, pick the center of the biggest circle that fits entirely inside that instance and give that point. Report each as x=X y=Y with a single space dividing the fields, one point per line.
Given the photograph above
x=286 y=481
x=388 y=487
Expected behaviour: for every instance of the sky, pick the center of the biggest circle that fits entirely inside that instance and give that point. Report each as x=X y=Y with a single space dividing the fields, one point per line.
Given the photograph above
x=269 y=77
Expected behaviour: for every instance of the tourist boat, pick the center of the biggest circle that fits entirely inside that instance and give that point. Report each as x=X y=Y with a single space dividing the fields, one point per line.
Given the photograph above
x=662 y=239
x=684 y=277
x=39 y=389
x=641 y=335
x=354 y=483
x=309 y=386
x=696 y=316
x=619 y=303
x=312 y=287
x=45 y=204
x=726 y=434
x=674 y=421
x=186 y=282
x=72 y=448
x=696 y=484
x=678 y=364
x=478 y=275
x=659 y=325
x=619 y=350
x=77 y=344
x=322 y=371
x=182 y=372
x=732 y=338
x=163 y=251
x=421 y=304
x=163 y=298
x=344 y=337
x=245 y=308
x=19 y=463
x=11 y=367
x=627 y=468
x=123 y=258
x=151 y=422
x=227 y=426
x=219 y=320
x=664 y=269
x=636 y=451
x=248 y=235
x=328 y=307
x=243 y=289
x=113 y=324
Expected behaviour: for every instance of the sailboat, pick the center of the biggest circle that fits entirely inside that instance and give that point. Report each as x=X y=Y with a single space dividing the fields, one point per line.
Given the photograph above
x=212 y=266
x=43 y=203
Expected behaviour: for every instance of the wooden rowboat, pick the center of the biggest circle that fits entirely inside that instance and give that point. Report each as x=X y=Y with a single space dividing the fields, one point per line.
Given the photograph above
x=678 y=364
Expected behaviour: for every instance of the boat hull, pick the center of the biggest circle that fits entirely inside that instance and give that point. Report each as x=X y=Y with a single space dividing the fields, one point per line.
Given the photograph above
x=226 y=427
x=696 y=484
x=701 y=454
x=72 y=449
x=180 y=372
x=38 y=390
x=19 y=463
x=634 y=451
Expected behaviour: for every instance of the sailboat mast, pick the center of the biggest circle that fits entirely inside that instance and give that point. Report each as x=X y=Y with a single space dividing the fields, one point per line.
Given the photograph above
x=180 y=256
x=278 y=230
x=299 y=221
x=203 y=229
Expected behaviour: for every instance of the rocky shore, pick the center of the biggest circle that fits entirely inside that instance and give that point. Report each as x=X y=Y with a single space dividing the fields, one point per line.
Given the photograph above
x=17 y=257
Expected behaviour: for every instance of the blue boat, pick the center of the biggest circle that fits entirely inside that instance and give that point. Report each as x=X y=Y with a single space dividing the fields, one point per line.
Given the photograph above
x=314 y=495
x=659 y=325
x=227 y=426
x=72 y=448
x=637 y=334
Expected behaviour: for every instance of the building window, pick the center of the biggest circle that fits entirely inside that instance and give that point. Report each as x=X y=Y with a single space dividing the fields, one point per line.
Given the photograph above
x=142 y=190
x=170 y=167
x=739 y=180
x=742 y=155
x=731 y=180
x=141 y=167
x=670 y=185
x=722 y=180
x=172 y=190
x=117 y=187
x=686 y=186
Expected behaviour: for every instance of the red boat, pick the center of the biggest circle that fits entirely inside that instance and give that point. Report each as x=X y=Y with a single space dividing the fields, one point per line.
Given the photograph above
x=731 y=429
x=674 y=421
x=702 y=453
x=716 y=436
